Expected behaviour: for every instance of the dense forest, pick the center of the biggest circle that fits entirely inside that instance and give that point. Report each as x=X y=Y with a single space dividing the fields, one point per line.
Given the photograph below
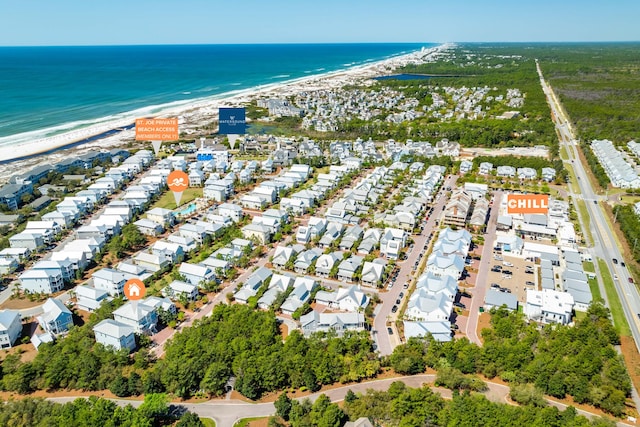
x=240 y=342
x=559 y=360
x=94 y=411
x=416 y=407
x=247 y=344
x=630 y=227
x=599 y=86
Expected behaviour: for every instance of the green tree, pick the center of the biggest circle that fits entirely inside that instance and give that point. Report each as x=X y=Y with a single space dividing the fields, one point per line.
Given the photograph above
x=283 y=406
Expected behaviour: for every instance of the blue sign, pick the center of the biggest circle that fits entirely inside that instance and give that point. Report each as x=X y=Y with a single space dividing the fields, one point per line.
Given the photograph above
x=232 y=121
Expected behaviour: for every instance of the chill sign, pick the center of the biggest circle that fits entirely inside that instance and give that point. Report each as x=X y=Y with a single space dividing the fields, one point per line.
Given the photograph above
x=527 y=204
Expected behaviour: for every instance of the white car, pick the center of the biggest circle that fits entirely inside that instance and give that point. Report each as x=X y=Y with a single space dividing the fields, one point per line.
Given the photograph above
x=507 y=264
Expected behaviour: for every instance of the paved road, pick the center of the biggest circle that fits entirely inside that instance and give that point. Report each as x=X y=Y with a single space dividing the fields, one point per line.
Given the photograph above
x=227 y=412
x=604 y=245
x=481 y=286
x=386 y=343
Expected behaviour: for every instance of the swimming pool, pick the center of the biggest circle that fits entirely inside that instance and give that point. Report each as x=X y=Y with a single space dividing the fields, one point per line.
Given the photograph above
x=188 y=210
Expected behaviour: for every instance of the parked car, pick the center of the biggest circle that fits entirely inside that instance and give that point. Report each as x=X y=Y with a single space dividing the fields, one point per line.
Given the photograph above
x=394 y=308
x=529 y=283
x=507 y=264
x=398 y=301
x=459 y=305
x=401 y=294
x=495 y=285
x=390 y=331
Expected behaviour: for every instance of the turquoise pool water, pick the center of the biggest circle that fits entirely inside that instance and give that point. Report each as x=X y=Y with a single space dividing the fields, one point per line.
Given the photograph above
x=188 y=210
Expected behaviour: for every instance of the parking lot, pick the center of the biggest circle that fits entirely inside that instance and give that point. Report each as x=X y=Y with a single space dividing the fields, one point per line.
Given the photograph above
x=518 y=281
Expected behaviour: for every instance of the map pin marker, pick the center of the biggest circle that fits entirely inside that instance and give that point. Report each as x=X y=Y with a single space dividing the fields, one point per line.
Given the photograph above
x=156 y=146
x=134 y=290
x=178 y=181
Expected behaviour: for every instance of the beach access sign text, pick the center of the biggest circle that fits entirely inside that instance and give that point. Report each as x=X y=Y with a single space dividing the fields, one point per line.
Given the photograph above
x=232 y=121
x=527 y=204
x=157 y=129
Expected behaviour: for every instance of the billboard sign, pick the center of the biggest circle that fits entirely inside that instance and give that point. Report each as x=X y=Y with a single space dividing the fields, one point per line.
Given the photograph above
x=232 y=121
x=157 y=129
x=527 y=204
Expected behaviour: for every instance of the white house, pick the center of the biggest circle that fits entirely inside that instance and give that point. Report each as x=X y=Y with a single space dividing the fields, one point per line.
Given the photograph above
x=89 y=298
x=111 y=333
x=350 y=298
x=372 y=273
x=177 y=288
x=10 y=328
x=140 y=317
x=549 y=306
x=162 y=216
x=45 y=281
x=439 y=330
x=427 y=307
x=109 y=280
x=445 y=265
x=196 y=274
x=302 y=289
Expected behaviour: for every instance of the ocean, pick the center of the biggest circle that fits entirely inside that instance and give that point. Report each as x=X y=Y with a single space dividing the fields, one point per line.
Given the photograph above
x=45 y=91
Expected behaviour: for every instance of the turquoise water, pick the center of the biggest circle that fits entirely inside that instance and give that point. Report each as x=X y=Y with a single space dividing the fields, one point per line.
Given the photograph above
x=188 y=210
x=49 y=90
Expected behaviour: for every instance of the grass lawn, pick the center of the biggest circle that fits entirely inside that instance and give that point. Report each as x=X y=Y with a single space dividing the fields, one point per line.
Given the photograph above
x=208 y=422
x=615 y=305
x=595 y=289
x=167 y=200
x=586 y=219
x=580 y=315
x=563 y=153
x=244 y=422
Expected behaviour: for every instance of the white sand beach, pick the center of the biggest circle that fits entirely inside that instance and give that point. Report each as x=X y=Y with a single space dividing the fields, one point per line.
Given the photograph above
x=192 y=114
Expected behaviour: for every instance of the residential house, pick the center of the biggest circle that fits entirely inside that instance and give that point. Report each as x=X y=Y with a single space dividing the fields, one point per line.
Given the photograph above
x=549 y=306
x=151 y=262
x=164 y=217
x=305 y=260
x=284 y=254
x=142 y=318
x=168 y=251
x=149 y=227
x=331 y=235
x=250 y=288
x=372 y=272
x=497 y=299
x=10 y=328
x=439 y=330
x=348 y=268
x=458 y=209
x=229 y=210
x=506 y=171
x=196 y=274
x=302 y=289
x=109 y=280
x=56 y=318
x=392 y=241
x=177 y=289
x=352 y=235
x=350 y=298
x=32 y=241
x=337 y=322
x=89 y=298
x=427 y=307
x=279 y=283
x=41 y=281
x=445 y=265
x=326 y=262
x=259 y=232
x=114 y=334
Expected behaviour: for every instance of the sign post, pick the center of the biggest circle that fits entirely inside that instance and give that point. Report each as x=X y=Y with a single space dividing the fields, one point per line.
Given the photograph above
x=156 y=131
x=233 y=123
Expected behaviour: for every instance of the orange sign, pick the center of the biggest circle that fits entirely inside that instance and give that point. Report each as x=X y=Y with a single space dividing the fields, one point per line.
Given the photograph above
x=134 y=289
x=178 y=181
x=157 y=129
x=527 y=204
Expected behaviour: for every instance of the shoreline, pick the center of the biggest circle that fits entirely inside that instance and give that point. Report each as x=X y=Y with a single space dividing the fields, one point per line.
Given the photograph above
x=192 y=113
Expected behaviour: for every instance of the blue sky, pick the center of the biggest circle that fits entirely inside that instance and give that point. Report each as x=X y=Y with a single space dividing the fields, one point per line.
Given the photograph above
x=90 y=22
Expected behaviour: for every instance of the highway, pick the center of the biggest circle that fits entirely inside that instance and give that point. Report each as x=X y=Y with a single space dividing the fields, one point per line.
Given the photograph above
x=604 y=245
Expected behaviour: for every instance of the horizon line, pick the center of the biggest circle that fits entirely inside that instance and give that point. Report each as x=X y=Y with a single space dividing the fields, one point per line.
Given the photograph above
x=325 y=43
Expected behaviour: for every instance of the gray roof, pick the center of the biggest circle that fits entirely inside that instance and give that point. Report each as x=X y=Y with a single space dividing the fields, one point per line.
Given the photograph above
x=7 y=317
x=497 y=299
x=548 y=283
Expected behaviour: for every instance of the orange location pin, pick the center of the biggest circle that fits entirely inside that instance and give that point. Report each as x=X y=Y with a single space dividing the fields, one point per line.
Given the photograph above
x=178 y=181
x=134 y=289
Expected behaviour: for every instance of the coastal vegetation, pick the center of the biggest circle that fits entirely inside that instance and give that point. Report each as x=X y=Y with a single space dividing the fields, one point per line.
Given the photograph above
x=93 y=411
x=559 y=360
x=630 y=226
x=404 y=406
